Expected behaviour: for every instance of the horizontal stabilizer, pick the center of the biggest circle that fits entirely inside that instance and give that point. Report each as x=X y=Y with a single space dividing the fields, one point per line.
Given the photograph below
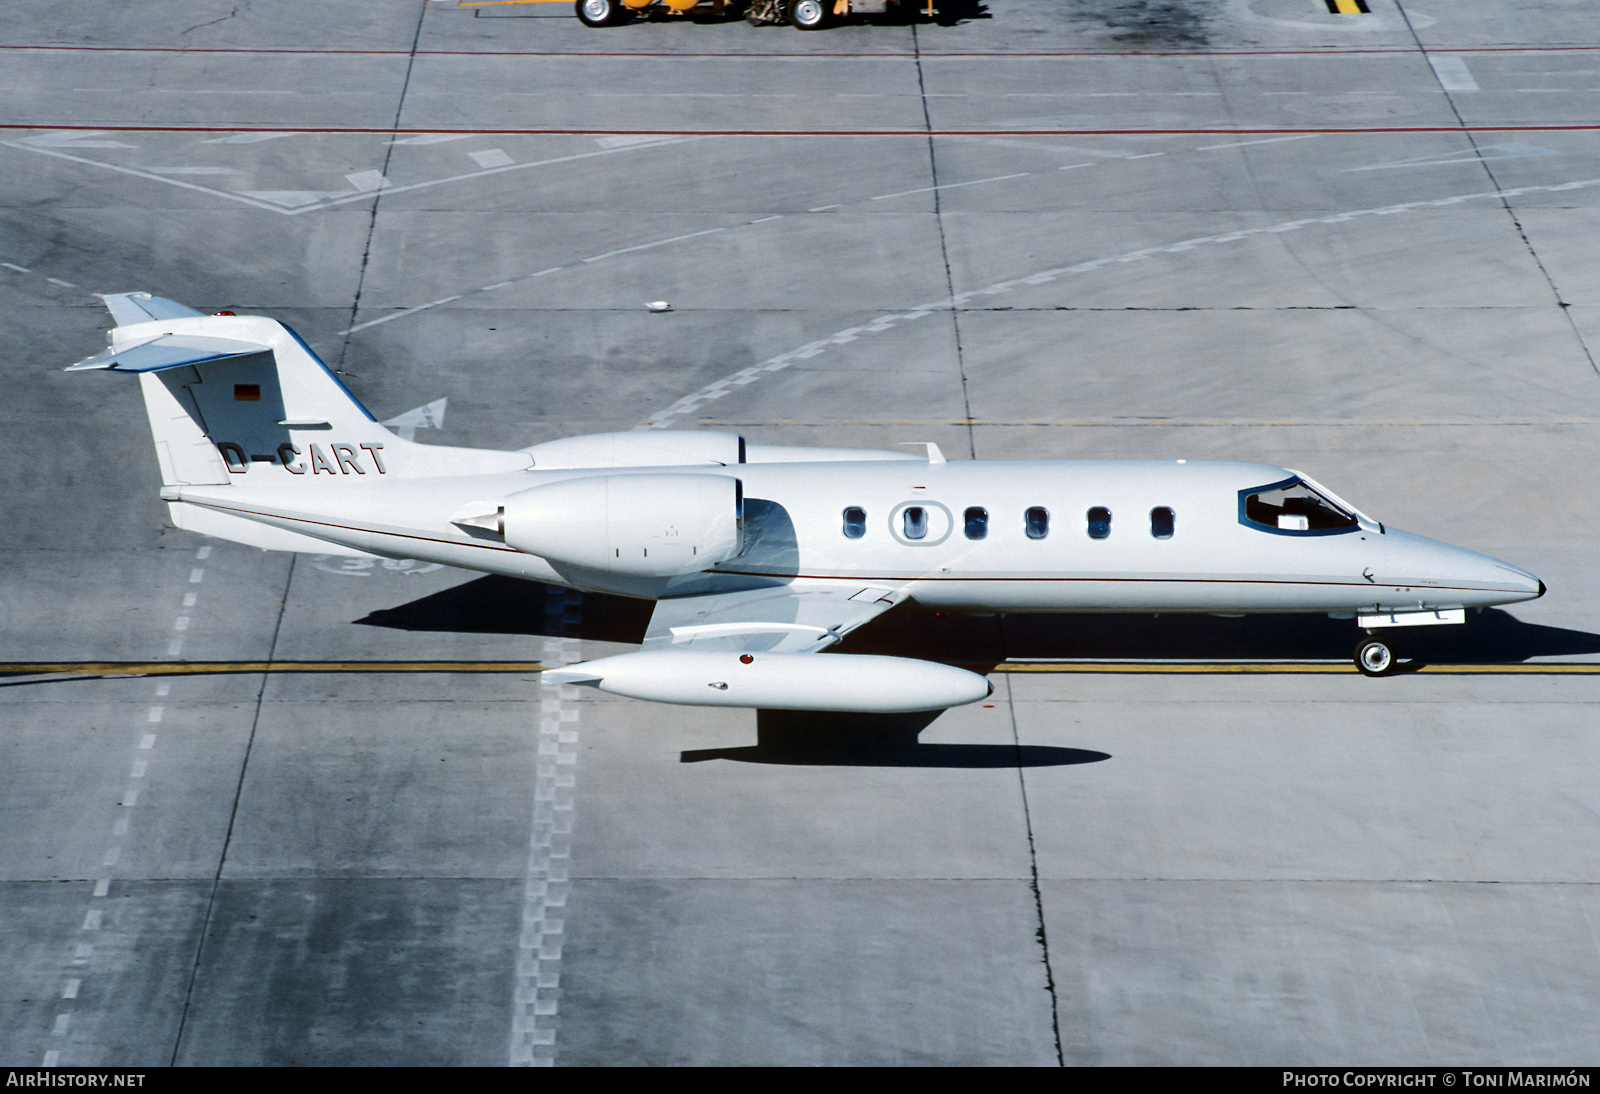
x=169 y=351
x=128 y=308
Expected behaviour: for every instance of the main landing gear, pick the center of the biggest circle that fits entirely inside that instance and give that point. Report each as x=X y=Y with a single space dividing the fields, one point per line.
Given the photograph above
x=1375 y=656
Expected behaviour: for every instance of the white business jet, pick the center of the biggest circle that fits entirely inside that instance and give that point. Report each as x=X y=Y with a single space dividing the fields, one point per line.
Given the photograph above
x=759 y=556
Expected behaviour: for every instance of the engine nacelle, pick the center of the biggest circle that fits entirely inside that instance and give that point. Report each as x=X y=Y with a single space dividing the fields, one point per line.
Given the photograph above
x=643 y=525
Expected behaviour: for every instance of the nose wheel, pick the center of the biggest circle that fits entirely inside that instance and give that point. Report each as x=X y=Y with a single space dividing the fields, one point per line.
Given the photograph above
x=1375 y=657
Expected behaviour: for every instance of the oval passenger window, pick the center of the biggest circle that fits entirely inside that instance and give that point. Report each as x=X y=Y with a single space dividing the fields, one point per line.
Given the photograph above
x=1161 y=522
x=915 y=522
x=855 y=522
x=1099 y=522
x=1037 y=522
x=977 y=522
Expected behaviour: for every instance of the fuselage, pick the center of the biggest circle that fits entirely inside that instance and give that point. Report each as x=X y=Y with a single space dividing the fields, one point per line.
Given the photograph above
x=978 y=536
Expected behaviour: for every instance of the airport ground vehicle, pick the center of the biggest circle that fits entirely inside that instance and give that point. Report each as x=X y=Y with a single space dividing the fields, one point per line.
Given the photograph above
x=801 y=14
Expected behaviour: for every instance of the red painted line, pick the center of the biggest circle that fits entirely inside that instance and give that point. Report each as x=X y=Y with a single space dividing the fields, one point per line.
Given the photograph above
x=1586 y=127
x=800 y=56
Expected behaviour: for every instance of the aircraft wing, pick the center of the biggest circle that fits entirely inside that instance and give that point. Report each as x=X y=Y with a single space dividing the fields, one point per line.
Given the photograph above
x=778 y=619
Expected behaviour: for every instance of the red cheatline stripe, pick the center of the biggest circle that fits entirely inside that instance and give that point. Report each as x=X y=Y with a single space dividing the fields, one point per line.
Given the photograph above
x=1587 y=127
x=801 y=56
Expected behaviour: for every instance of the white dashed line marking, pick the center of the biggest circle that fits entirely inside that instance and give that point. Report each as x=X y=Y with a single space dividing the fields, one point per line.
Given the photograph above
x=147 y=742
x=1074 y=166
x=139 y=768
x=14 y=266
x=71 y=990
x=91 y=920
x=1269 y=140
x=175 y=647
x=953 y=185
x=196 y=575
x=60 y=1028
x=203 y=553
x=534 y=1019
x=662 y=419
x=824 y=208
x=101 y=888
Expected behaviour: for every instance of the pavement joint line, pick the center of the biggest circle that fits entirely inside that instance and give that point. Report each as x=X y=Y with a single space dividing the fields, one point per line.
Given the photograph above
x=1334 y=51
x=665 y=417
x=41 y=671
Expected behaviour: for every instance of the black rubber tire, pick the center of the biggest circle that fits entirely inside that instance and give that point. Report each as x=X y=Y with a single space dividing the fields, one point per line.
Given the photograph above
x=1375 y=657
x=600 y=13
x=807 y=14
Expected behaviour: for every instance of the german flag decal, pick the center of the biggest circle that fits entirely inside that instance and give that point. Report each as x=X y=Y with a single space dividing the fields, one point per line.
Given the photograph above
x=247 y=393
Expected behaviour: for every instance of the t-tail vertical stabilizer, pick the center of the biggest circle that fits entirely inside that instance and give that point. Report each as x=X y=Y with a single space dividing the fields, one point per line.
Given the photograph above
x=238 y=401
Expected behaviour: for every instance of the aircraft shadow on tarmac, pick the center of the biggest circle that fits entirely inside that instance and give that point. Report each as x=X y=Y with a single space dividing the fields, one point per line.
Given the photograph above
x=498 y=605
x=501 y=605
x=838 y=739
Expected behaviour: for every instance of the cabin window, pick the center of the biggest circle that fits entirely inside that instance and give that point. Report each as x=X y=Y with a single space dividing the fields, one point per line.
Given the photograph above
x=1161 y=522
x=976 y=521
x=1292 y=506
x=914 y=522
x=1037 y=522
x=1099 y=522
x=855 y=522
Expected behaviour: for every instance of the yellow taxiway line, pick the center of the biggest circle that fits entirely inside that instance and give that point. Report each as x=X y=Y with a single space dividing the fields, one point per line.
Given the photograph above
x=1163 y=668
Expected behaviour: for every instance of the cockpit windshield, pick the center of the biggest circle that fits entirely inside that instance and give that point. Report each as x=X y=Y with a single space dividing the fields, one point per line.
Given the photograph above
x=1292 y=507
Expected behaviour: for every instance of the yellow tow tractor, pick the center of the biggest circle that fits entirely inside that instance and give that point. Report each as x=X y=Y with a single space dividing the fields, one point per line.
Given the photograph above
x=801 y=14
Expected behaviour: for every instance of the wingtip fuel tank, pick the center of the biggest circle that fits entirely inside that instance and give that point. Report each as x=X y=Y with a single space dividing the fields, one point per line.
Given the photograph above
x=865 y=683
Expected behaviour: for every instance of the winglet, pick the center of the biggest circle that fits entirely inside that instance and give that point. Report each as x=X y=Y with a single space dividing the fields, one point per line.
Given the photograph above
x=935 y=457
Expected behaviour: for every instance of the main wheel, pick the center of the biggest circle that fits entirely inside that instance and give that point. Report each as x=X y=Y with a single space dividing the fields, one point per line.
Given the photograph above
x=1375 y=657
x=600 y=13
x=807 y=14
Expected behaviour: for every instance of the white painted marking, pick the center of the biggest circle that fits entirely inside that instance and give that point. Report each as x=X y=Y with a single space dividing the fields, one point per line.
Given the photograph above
x=71 y=990
x=14 y=266
x=197 y=171
x=1268 y=140
x=131 y=798
x=63 y=284
x=292 y=199
x=85 y=950
x=657 y=243
x=824 y=208
x=403 y=314
x=52 y=1058
x=491 y=157
x=112 y=855
x=1074 y=166
x=1452 y=72
x=249 y=138
x=203 y=553
x=181 y=623
x=496 y=285
x=427 y=416
x=101 y=888
x=155 y=714
x=163 y=688
x=147 y=742
x=662 y=419
x=952 y=186
x=1508 y=151
x=763 y=220
x=139 y=768
x=432 y=138
x=121 y=827
x=60 y=1028
x=1146 y=156
x=189 y=599
x=91 y=920
x=367 y=181
x=630 y=140
x=196 y=575
x=175 y=647
x=71 y=139
x=134 y=171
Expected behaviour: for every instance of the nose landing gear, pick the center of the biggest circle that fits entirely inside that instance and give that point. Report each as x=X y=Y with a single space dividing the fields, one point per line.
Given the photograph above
x=1375 y=656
